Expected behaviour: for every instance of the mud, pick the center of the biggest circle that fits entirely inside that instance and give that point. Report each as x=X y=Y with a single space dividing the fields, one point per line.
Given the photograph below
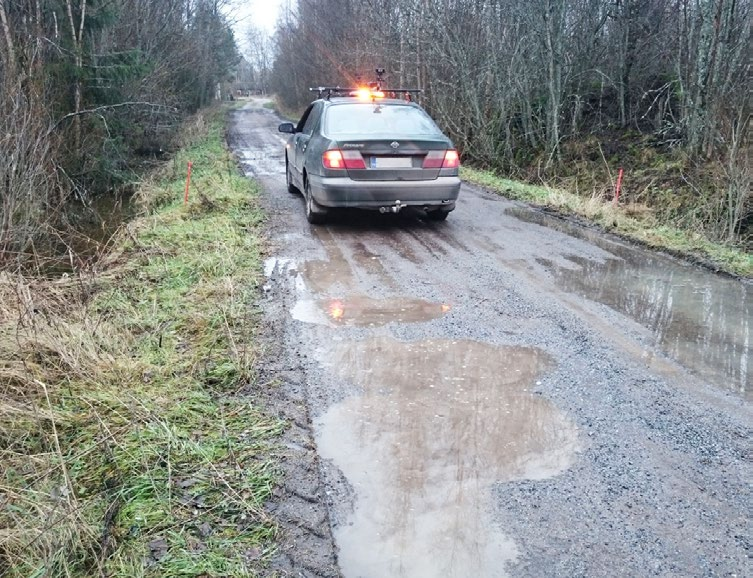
x=438 y=423
x=617 y=457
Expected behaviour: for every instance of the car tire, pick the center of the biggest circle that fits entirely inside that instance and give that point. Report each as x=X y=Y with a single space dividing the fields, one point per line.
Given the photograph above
x=315 y=214
x=437 y=215
x=292 y=189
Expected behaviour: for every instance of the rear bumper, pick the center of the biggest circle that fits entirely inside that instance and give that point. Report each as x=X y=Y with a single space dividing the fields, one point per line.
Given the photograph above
x=345 y=192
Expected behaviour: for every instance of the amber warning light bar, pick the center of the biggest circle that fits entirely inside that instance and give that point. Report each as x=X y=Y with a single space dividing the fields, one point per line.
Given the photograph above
x=364 y=93
x=367 y=91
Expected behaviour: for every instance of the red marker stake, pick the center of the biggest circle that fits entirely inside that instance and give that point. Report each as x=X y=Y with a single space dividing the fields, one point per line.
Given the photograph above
x=188 y=183
x=617 y=188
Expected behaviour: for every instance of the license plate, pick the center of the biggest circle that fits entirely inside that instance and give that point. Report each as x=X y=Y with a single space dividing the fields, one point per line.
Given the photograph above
x=391 y=162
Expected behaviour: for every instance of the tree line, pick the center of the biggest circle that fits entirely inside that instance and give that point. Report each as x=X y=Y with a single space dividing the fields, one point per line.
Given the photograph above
x=514 y=82
x=87 y=84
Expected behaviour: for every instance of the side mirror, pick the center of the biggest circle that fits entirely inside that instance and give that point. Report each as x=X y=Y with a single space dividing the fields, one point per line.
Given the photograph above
x=287 y=127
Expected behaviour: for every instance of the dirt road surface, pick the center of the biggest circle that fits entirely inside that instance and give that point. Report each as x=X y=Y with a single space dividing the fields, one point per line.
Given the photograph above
x=503 y=394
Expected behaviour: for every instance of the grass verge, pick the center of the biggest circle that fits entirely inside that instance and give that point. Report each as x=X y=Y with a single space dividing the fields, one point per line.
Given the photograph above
x=127 y=449
x=633 y=221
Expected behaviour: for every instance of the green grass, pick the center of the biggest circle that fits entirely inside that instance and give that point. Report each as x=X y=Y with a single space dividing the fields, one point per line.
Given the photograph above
x=636 y=222
x=127 y=447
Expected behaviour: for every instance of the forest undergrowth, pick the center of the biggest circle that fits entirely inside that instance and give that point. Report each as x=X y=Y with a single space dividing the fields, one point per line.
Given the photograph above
x=667 y=202
x=130 y=441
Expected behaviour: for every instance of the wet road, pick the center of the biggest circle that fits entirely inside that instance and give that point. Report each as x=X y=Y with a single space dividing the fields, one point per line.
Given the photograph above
x=505 y=393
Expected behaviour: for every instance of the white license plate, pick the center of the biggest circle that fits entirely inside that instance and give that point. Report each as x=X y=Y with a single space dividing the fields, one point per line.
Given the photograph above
x=391 y=162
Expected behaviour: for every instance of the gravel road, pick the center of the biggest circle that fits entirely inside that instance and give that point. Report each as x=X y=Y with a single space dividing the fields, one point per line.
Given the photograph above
x=503 y=394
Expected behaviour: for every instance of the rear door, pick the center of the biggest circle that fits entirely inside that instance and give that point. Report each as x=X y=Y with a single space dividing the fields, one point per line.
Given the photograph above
x=305 y=129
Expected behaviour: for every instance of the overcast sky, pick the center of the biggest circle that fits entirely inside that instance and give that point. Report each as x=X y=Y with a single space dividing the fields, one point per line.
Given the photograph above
x=261 y=13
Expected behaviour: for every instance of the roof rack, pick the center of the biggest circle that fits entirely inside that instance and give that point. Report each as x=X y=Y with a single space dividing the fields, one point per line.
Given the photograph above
x=376 y=90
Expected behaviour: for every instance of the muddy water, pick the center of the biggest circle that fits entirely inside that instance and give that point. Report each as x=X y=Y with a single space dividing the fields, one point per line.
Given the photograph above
x=700 y=319
x=266 y=160
x=343 y=305
x=438 y=423
x=362 y=311
x=336 y=272
x=92 y=226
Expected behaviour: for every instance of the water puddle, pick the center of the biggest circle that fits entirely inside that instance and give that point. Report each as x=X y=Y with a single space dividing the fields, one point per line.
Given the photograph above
x=337 y=270
x=699 y=319
x=266 y=159
x=343 y=305
x=322 y=276
x=362 y=311
x=438 y=423
x=92 y=226
x=278 y=264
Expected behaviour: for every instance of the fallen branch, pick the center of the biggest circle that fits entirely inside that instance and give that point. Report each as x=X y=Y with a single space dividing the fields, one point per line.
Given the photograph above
x=99 y=109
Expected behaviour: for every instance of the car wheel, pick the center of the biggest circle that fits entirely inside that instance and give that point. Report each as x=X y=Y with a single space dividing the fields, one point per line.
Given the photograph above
x=292 y=189
x=437 y=215
x=315 y=214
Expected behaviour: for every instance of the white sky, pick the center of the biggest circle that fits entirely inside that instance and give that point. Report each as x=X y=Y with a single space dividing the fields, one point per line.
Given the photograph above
x=261 y=13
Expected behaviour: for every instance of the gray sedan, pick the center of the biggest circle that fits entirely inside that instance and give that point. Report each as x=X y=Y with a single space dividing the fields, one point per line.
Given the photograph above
x=370 y=153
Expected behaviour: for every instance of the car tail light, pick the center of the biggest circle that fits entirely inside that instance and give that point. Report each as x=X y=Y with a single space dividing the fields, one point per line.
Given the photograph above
x=337 y=159
x=451 y=159
x=442 y=159
x=333 y=160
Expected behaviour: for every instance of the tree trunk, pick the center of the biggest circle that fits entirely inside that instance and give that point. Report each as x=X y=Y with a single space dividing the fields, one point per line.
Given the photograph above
x=697 y=106
x=553 y=41
x=77 y=35
x=10 y=59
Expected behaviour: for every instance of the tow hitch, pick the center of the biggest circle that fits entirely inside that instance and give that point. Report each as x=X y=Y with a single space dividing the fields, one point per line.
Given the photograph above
x=393 y=208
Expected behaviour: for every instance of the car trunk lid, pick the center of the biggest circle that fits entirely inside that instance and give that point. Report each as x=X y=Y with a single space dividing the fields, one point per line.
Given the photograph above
x=393 y=159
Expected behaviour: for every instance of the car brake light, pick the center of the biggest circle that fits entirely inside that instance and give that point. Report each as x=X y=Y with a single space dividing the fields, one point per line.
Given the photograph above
x=441 y=160
x=337 y=159
x=333 y=160
x=451 y=159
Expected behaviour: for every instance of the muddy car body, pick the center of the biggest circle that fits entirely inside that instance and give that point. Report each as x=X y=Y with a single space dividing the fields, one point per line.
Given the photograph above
x=370 y=153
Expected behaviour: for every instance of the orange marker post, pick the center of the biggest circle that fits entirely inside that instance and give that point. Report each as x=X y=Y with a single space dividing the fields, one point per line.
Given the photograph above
x=617 y=188
x=188 y=183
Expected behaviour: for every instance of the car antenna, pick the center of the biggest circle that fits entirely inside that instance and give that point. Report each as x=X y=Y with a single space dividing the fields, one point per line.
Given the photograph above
x=406 y=92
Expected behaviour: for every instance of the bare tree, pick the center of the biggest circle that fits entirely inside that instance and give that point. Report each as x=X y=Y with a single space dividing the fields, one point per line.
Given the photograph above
x=86 y=83
x=259 y=56
x=513 y=81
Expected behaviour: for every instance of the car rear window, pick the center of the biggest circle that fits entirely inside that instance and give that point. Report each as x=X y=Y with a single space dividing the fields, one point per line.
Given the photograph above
x=369 y=119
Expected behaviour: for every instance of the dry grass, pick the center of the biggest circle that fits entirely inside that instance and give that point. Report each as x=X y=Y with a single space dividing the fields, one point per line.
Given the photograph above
x=125 y=448
x=634 y=220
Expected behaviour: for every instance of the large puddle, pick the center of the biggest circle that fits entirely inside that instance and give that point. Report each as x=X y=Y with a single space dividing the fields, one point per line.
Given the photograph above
x=438 y=423
x=700 y=319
